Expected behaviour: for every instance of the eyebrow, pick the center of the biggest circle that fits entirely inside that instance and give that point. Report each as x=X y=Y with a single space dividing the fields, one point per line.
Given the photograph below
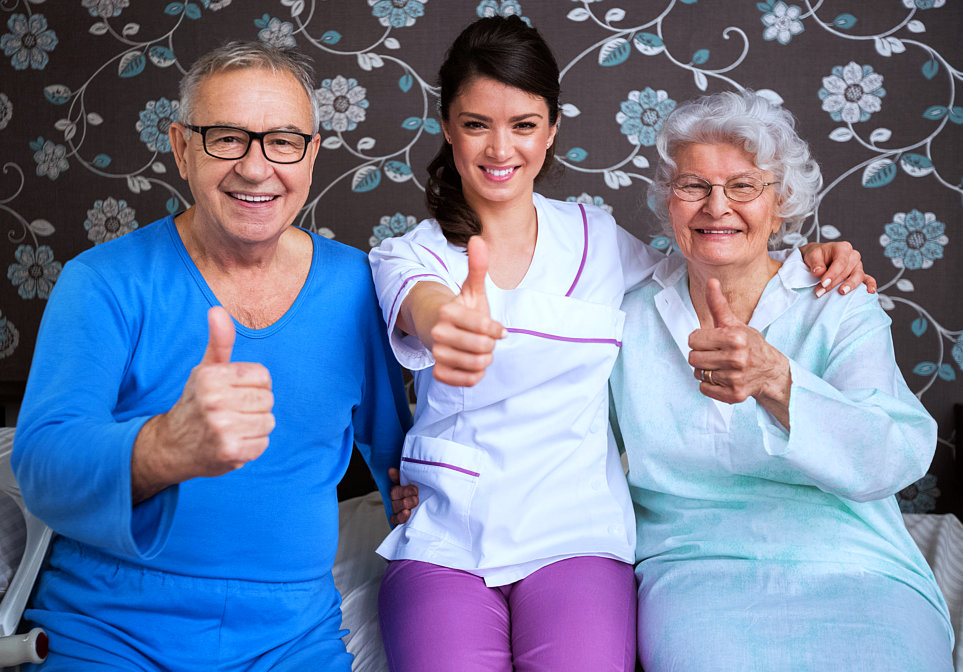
x=286 y=127
x=747 y=173
x=518 y=117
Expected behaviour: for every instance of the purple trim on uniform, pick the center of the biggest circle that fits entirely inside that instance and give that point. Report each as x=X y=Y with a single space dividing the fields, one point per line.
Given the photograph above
x=441 y=464
x=581 y=266
x=436 y=257
x=405 y=284
x=570 y=339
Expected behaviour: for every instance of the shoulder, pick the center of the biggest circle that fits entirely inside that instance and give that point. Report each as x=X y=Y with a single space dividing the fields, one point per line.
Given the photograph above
x=574 y=212
x=336 y=251
x=796 y=277
x=337 y=263
x=146 y=241
x=425 y=246
x=136 y=259
x=643 y=293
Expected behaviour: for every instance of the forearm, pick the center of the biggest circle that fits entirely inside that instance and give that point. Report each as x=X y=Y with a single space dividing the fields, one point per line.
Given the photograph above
x=775 y=396
x=420 y=310
x=149 y=469
x=861 y=444
x=75 y=476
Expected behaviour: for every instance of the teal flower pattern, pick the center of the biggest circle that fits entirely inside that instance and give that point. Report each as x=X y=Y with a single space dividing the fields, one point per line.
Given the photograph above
x=6 y=110
x=923 y=4
x=397 y=13
x=389 y=227
x=9 y=337
x=155 y=120
x=106 y=8
x=35 y=272
x=852 y=93
x=914 y=239
x=782 y=23
x=341 y=104
x=109 y=219
x=51 y=158
x=958 y=353
x=597 y=201
x=278 y=33
x=28 y=42
x=488 y=8
x=920 y=497
x=643 y=114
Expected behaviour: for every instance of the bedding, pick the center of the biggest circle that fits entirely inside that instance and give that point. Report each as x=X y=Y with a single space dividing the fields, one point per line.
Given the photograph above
x=358 y=571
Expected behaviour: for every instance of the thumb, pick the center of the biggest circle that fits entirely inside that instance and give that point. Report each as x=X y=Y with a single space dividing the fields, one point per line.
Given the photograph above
x=220 y=340
x=474 y=287
x=722 y=315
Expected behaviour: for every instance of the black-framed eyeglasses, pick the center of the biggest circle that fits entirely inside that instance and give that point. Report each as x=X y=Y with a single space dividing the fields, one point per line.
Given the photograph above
x=228 y=143
x=739 y=189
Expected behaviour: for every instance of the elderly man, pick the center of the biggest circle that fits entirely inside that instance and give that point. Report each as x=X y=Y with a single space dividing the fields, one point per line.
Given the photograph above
x=188 y=460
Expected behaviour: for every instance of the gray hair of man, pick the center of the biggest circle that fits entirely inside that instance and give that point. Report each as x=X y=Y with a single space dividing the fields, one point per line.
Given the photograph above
x=747 y=120
x=239 y=55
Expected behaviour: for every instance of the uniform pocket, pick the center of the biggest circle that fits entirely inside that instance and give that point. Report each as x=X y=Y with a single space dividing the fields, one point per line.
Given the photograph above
x=446 y=474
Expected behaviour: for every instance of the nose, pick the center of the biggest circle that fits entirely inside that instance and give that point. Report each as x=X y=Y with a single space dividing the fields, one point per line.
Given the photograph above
x=717 y=203
x=253 y=166
x=500 y=145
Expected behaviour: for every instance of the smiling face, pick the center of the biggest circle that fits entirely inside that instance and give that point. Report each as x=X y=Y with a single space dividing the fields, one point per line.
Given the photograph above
x=718 y=232
x=248 y=200
x=499 y=135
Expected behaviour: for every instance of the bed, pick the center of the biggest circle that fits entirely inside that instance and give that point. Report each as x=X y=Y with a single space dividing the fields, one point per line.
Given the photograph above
x=358 y=570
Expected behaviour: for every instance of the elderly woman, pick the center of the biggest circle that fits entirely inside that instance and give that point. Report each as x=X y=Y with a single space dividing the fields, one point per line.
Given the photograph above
x=766 y=439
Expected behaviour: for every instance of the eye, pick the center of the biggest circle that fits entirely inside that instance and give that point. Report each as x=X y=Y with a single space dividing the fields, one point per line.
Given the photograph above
x=473 y=125
x=226 y=139
x=690 y=183
x=526 y=125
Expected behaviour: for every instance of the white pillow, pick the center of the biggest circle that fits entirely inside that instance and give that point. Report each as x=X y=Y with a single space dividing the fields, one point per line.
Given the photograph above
x=13 y=528
x=357 y=574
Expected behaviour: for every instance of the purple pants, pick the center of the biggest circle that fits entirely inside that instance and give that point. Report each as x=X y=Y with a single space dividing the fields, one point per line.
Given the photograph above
x=577 y=614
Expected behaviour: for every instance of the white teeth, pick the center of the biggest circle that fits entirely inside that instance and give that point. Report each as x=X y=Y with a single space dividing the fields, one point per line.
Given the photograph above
x=499 y=173
x=717 y=230
x=251 y=198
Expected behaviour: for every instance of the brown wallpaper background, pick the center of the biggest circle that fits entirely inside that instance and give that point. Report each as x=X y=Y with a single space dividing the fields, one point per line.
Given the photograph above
x=88 y=88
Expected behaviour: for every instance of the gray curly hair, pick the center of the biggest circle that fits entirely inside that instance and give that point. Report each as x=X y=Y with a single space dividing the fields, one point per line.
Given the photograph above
x=746 y=120
x=238 y=55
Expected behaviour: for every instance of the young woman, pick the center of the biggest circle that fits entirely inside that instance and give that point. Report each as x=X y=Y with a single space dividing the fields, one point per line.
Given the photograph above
x=520 y=552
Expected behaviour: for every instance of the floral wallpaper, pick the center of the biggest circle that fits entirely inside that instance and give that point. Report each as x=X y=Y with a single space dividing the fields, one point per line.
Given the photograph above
x=88 y=89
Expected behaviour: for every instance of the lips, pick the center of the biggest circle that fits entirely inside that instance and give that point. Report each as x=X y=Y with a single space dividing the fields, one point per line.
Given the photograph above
x=499 y=174
x=252 y=198
x=717 y=231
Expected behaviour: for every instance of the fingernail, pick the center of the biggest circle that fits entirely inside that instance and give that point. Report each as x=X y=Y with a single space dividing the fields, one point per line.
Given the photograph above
x=844 y=289
x=820 y=292
x=504 y=333
x=827 y=282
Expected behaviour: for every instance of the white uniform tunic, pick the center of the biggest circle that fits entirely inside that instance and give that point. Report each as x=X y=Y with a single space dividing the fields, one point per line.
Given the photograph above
x=519 y=471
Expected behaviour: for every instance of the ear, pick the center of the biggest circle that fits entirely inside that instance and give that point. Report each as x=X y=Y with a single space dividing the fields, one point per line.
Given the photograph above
x=177 y=134
x=552 y=133
x=313 y=150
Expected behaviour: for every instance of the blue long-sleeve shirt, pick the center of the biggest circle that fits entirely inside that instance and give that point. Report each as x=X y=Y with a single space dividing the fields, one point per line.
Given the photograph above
x=125 y=325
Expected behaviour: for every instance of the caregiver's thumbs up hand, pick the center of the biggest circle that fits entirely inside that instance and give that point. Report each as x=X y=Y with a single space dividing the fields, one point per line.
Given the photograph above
x=220 y=423
x=463 y=338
